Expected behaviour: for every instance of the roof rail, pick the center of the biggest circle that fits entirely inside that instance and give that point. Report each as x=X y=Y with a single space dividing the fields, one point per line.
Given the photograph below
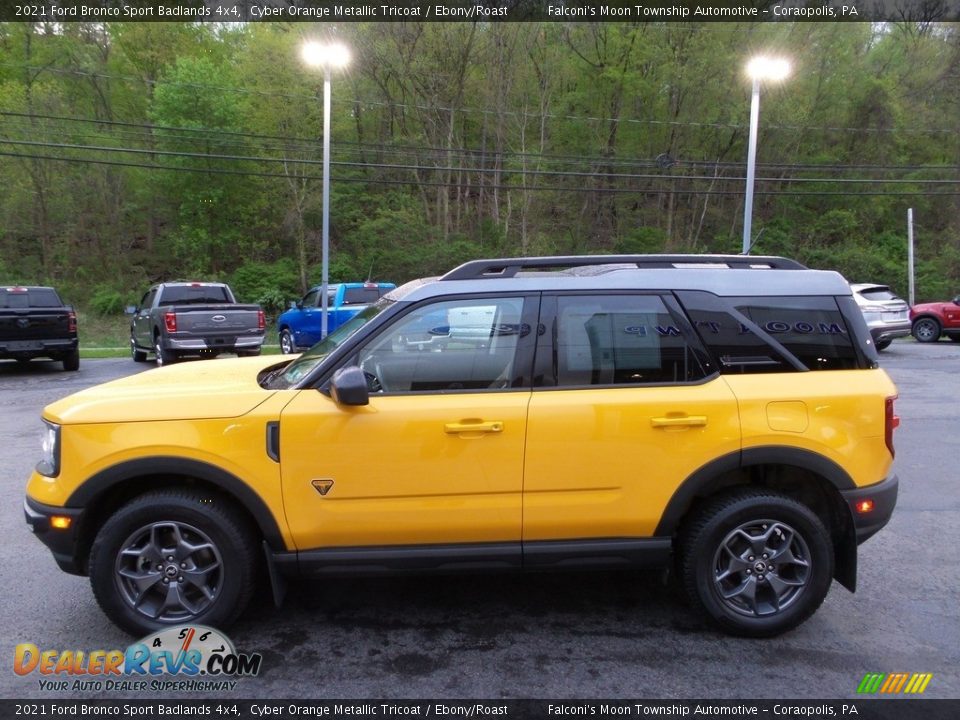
x=509 y=267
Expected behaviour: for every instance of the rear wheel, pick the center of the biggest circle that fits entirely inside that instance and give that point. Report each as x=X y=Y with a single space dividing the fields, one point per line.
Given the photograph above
x=756 y=562
x=248 y=353
x=164 y=356
x=926 y=330
x=71 y=361
x=173 y=557
x=955 y=338
x=883 y=344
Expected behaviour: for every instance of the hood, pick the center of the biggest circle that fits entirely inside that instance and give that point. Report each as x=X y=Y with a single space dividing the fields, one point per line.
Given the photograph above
x=196 y=390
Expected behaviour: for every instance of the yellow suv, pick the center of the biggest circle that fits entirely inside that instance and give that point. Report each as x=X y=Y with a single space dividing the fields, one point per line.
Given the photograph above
x=722 y=416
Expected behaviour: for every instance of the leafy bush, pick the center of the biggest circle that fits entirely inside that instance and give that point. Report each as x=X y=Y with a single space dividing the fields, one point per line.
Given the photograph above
x=106 y=301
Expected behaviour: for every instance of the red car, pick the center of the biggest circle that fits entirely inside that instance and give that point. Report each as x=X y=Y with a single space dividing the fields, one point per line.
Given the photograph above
x=931 y=320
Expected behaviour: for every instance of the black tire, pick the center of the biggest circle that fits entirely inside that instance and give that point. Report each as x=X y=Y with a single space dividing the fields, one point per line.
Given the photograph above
x=71 y=361
x=248 y=353
x=926 y=329
x=954 y=338
x=136 y=353
x=163 y=356
x=287 y=345
x=719 y=569
x=883 y=344
x=189 y=558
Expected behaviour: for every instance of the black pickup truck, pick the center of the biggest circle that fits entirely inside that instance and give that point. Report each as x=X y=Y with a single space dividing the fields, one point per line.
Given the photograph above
x=35 y=323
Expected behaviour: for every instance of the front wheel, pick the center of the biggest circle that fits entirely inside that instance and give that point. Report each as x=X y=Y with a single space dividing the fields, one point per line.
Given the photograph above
x=136 y=353
x=926 y=330
x=172 y=557
x=757 y=563
x=287 y=345
x=883 y=344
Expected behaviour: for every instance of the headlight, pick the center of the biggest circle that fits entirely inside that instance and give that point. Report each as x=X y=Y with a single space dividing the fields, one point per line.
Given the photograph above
x=49 y=464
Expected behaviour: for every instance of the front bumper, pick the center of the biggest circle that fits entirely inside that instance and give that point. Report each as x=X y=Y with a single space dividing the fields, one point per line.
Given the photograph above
x=62 y=543
x=884 y=497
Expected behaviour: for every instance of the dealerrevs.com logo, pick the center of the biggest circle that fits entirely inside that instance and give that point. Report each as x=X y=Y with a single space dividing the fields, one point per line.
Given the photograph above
x=189 y=657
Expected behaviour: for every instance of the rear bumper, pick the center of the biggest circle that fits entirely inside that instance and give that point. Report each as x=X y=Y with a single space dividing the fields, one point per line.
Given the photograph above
x=218 y=343
x=884 y=497
x=55 y=348
x=62 y=543
x=889 y=331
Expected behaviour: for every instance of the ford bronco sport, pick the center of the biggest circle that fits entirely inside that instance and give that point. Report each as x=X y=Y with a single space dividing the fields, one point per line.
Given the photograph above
x=721 y=416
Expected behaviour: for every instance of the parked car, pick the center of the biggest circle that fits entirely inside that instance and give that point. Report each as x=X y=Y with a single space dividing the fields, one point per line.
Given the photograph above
x=202 y=319
x=887 y=315
x=723 y=417
x=932 y=320
x=300 y=326
x=35 y=323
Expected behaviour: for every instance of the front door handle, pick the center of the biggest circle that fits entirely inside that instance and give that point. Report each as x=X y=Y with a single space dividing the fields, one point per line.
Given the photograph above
x=679 y=421
x=455 y=428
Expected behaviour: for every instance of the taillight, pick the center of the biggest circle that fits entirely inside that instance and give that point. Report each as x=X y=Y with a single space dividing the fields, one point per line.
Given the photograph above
x=261 y=320
x=891 y=422
x=170 y=320
x=71 y=322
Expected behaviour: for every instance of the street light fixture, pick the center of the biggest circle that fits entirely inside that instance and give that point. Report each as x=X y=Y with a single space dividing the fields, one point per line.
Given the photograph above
x=325 y=56
x=759 y=68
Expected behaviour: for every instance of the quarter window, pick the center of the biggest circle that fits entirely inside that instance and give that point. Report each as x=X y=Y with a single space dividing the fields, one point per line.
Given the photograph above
x=620 y=339
x=448 y=346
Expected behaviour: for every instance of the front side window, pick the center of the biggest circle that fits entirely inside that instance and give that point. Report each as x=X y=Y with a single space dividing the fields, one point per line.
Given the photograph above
x=450 y=346
x=311 y=299
x=620 y=339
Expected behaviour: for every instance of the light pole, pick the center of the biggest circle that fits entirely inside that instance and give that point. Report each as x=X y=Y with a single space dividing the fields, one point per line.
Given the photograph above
x=760 y=68
x=326 y=56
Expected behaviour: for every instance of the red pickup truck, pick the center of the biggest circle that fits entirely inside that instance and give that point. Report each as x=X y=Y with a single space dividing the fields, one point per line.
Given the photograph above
x=931 y=320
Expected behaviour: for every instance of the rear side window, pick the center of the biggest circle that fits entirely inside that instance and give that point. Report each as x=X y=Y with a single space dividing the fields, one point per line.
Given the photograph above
x=194 y=295
x=619 y=340
x=773 y=334
x=32 y=297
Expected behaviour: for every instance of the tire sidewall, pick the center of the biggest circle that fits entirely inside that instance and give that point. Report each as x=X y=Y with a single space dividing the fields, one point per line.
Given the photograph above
x=223 y=532
x=804 y=522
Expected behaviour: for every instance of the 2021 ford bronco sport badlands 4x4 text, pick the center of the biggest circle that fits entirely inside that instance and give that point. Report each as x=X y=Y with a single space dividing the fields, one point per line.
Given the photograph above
x=720 y=415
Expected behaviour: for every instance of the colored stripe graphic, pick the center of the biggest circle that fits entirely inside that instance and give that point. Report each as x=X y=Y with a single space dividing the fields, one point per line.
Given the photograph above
x=870 y=683
x=894 y=683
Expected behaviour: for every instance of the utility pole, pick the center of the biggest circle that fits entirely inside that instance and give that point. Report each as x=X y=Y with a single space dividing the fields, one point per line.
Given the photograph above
x=910 y=273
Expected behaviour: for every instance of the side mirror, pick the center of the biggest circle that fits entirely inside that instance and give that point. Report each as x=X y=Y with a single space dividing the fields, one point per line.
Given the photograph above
x=292 y=304
x=349 y=387
x=956 y=300
x=130 y=310
x=298 y=304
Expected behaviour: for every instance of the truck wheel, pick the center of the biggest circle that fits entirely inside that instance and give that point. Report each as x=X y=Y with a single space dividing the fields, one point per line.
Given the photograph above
x=757 y=563
x=248 y=353
x=71 y=361
x=164 y=356
x=926 y=330
x=883 y=344
x=137 y=354
x=173 y=557
x=286 y=343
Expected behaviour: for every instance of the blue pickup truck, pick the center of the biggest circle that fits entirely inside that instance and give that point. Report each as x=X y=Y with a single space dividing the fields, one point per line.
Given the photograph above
x=299 y=327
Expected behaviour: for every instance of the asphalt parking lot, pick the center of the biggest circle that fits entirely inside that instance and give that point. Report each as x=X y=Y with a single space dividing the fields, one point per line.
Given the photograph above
x=595 y=635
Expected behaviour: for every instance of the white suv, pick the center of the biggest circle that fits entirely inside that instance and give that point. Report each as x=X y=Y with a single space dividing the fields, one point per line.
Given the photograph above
x=887 y=315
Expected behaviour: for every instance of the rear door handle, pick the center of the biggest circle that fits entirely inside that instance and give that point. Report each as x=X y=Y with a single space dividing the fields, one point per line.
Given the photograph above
x=455 y=428
x=679 y=421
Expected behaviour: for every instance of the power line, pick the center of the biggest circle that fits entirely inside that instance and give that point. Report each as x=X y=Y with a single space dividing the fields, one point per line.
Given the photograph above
x=482 y=111
x=419 y=183
x=465 y=152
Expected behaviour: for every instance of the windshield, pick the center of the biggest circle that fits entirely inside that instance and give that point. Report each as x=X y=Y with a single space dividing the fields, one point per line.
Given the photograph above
x=293 y=373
